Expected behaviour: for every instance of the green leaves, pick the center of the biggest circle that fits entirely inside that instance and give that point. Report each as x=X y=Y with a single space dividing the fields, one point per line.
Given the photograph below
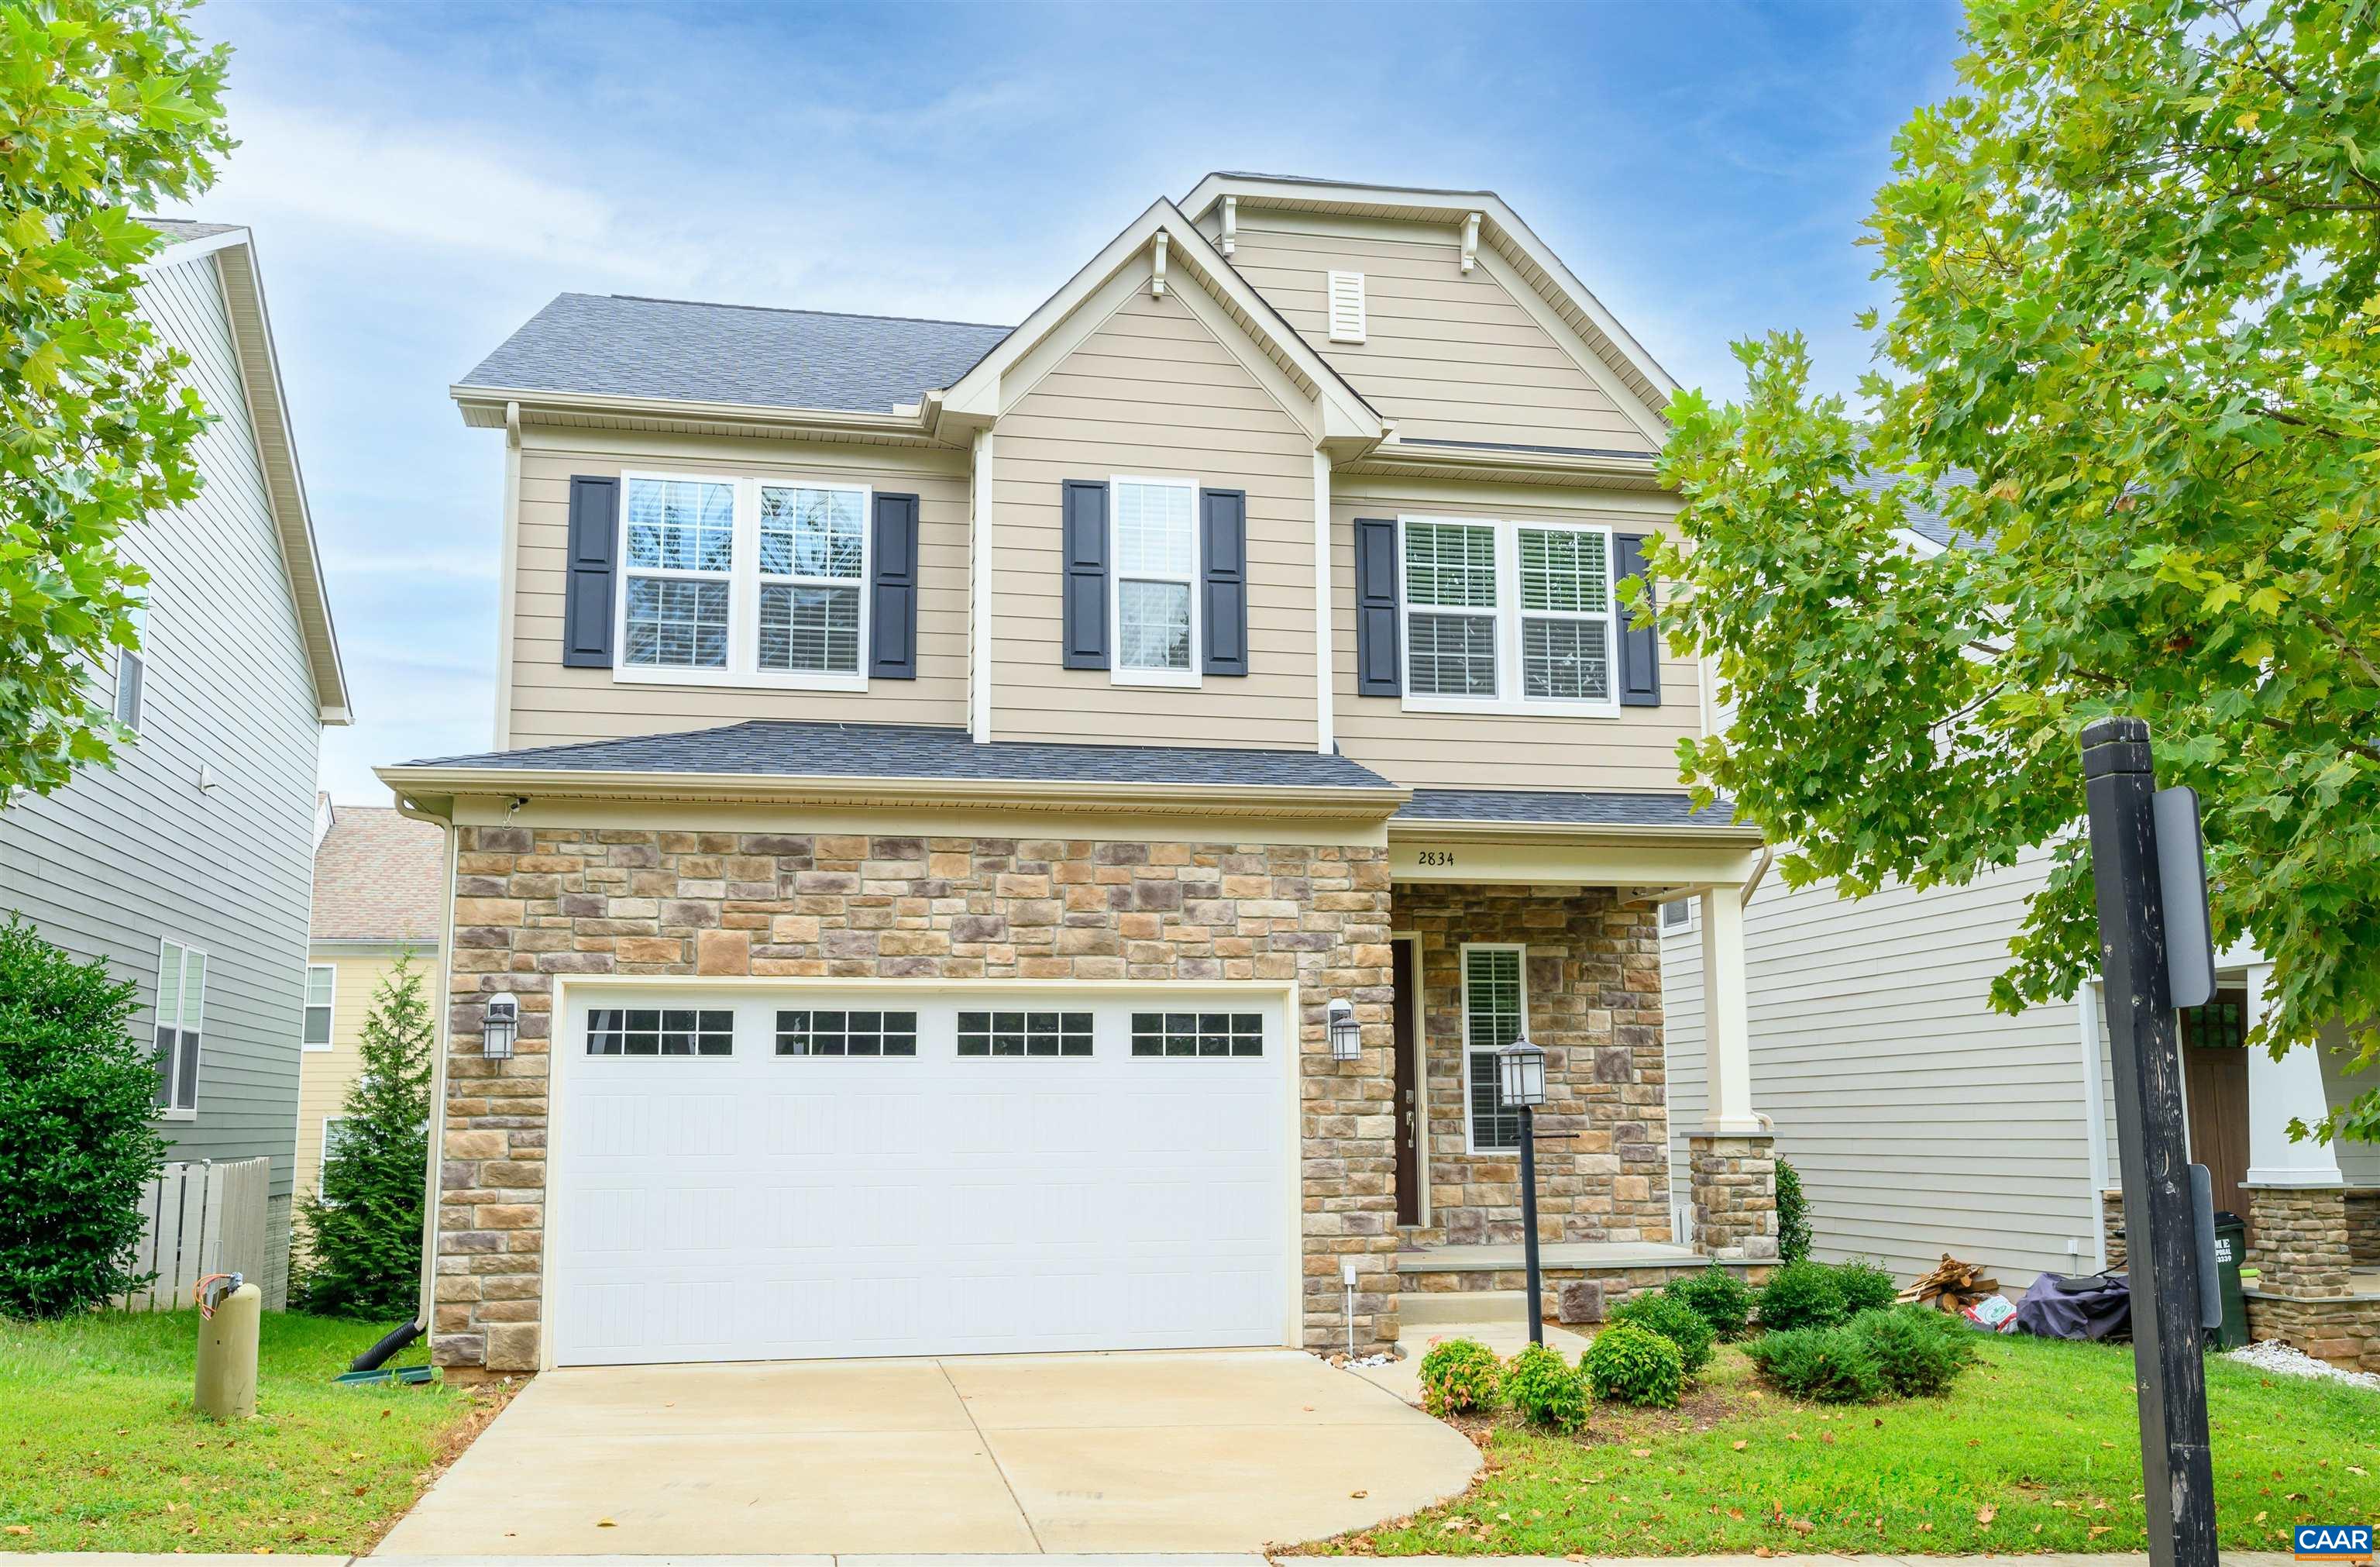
x=107 y=109
x=2134 y=345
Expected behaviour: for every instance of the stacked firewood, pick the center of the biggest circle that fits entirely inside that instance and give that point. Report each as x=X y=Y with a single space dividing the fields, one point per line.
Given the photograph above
x=1952 y=1285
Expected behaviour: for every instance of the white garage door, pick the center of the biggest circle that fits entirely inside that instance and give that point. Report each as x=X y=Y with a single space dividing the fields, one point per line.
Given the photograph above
x=768 y=1173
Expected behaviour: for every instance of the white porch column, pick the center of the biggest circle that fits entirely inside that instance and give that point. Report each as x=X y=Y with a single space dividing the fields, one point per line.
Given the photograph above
x=1727 y=1019
x=2278 y=1092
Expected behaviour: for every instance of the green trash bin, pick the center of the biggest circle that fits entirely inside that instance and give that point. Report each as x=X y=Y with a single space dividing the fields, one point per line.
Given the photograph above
x=2230 y=1246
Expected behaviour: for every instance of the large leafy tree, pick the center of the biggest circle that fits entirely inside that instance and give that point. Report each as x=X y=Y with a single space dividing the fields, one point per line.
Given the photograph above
x=363 y=1229
x=2133 y=358
x=108 y=107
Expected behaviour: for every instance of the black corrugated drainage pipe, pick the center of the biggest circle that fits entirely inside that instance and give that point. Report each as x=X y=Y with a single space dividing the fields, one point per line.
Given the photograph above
x=396 y=1339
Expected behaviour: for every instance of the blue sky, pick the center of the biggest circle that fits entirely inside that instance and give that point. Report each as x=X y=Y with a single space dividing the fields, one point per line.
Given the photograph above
x=422 y=177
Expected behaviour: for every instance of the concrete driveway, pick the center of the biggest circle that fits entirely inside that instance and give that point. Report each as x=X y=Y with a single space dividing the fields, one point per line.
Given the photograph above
x=1208 y=1451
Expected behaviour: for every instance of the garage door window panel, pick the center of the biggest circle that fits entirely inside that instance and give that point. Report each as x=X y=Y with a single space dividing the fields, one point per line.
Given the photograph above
x=1197 y=1033
x=659 y=1031
x=821 y=1032
x=1024 y=1034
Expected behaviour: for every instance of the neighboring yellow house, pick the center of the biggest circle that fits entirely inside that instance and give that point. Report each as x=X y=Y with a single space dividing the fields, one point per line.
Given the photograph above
x=377 y=894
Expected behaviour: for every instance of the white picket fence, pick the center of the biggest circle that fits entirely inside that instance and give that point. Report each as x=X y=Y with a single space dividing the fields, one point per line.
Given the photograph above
x=197 y=1218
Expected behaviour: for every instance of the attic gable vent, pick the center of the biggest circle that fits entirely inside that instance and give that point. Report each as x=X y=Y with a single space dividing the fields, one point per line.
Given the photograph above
x=1346 y=307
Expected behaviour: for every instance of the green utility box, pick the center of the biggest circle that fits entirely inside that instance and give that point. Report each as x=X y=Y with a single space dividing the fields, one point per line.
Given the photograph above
x=2230 y=1246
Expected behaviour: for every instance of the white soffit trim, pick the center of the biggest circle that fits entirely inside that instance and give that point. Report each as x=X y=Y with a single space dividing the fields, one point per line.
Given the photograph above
x=1502 y=230
x=979 y=393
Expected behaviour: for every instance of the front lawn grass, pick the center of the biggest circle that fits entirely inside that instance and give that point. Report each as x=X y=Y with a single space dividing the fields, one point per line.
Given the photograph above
x=102 y=1450
x=2036 y=1448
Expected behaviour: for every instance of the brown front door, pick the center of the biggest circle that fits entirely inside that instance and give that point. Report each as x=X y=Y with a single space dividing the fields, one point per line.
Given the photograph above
x=2215 y=1082
x=1408 y=1082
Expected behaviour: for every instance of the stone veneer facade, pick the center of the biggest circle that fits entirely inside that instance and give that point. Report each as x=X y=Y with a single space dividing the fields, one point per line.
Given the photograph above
x=1593 y=987
x=532 y=903
x=1734 y=1183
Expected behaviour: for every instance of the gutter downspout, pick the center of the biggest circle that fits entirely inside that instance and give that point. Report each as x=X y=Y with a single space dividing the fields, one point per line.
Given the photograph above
x=428 y=1302
x=1759 y=872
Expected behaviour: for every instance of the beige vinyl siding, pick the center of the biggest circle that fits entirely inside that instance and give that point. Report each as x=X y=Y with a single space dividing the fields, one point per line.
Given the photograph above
x=555 y=705
x=324 y=1076
x=1152 y=393
x=1637 y=750
x=1445 y=355
x=1920 y=1120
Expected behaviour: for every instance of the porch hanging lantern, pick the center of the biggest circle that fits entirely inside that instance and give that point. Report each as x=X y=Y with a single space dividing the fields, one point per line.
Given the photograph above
x=1346 y=1034
x=501 y=1028
x=1521 y=1074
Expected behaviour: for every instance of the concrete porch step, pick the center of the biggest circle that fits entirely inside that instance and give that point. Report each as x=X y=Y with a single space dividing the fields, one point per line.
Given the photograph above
x=1430 y=1308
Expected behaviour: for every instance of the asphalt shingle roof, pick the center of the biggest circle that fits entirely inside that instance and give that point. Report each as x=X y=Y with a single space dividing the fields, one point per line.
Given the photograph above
x=889 y=751
x=1923 y=520
x=620 y=344
x=1555 y=808
x=379 y=876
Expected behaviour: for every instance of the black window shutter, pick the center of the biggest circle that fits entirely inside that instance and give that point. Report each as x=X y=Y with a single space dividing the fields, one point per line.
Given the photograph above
x=892 y=609
x=1380 y=660
x=587 y=596
x=1640 y=650
x=1085 y=550
x=1223 y=571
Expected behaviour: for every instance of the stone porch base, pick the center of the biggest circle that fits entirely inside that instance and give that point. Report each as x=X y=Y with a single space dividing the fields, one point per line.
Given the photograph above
x=1583 y=1279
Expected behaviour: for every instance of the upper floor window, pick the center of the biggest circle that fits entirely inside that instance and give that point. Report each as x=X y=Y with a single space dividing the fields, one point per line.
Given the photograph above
x=1156 y=577
x=132 y=672
x=181 y=1012
x=321 y=986
x=1510 y=615
x=744 y=580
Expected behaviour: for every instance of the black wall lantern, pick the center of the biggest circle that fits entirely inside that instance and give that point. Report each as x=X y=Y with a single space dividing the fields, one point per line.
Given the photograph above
x=501 y=1028
x=1346 y=1034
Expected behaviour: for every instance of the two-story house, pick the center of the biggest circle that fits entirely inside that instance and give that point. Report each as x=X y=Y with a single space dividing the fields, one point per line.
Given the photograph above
x=187 y=865
x=1033 y=838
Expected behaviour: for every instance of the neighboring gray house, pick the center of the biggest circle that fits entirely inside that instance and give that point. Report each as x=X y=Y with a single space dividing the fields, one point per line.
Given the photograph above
x=190 y=867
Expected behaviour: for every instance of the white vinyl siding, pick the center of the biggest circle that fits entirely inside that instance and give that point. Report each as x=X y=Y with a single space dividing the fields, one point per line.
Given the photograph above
x=1920 y=1120
x=321 y=995
x=1494 y=1012
x=1153 y=525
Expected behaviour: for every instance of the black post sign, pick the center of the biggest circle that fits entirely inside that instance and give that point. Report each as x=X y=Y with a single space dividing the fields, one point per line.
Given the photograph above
x=2161 y=1242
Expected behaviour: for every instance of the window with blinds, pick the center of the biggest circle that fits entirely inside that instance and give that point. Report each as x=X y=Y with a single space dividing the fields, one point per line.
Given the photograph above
x=1516 y=616
x=1495 y=1010
x=1451 y=566
x=1565 y=614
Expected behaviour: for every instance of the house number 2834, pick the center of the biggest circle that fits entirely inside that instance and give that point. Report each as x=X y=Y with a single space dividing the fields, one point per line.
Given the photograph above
x=1435 y=857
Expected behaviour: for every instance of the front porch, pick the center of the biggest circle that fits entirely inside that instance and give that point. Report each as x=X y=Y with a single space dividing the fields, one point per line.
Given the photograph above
x=1551 y=930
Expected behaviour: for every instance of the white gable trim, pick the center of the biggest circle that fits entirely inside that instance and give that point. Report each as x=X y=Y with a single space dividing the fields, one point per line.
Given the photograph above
x=985 y=392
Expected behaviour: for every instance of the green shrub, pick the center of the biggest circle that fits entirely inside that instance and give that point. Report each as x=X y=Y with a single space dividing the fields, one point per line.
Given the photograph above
x=77 y=1129
x=1801 y=1294
x=1866 y=1287
x=1459 y=1376
x=1546 y=1389
x=363 y=1228
x=1633 y=1363
x=1829 y=1364
x=1792 y=1214
x=1918 y=1350
x=1718 y=1296
x=1674 y=1320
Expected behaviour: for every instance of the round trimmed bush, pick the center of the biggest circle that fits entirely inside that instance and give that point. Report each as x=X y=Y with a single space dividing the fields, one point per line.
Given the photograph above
x=1829 y=1364
x=1718 y=1296
x=1459 y=1377
x=1546 y=1389
x=1674 y=1320
x=1631 y=1363
x=1866 y=1287
x=1801 y=1294
x=1918 y=1350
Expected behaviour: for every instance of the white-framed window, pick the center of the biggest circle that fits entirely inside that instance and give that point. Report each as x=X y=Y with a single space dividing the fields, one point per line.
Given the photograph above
x=335 y=1131
x=1508 y=617
x=1153 y=591
x=1495 y=1012
x=132 y=673
x=322 y=988
x=742 y=581
x=181 y=1023
x=1678 y=914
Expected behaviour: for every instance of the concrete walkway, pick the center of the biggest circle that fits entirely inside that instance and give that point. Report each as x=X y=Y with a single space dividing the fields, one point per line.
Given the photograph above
x=1214 y=1450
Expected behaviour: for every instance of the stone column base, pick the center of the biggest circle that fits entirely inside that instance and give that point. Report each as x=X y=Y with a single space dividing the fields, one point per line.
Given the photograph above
x=1734 y=1188
x=2301 y=1250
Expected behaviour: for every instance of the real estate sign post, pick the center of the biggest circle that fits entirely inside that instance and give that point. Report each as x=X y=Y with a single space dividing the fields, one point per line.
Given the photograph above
x=2120 y=784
